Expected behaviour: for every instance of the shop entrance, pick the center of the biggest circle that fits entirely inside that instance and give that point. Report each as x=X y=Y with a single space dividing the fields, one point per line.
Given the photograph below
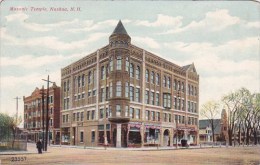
x=166 y=139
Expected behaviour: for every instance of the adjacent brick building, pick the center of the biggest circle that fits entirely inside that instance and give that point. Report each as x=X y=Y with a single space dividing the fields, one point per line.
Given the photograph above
x=33 y=114
x=122 y=95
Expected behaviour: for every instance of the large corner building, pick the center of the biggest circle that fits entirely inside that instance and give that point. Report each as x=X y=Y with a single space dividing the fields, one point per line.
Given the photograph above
x=124 y=96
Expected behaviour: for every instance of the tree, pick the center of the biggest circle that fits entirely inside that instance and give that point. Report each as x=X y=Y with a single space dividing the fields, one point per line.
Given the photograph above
x=211 y=111
x=9 y=127
x=231 y=102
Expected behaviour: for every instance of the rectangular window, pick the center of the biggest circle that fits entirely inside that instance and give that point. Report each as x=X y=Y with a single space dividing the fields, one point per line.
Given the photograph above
x=147 y=115
x=152 y=98
x=118 y=63
x=167 y=100
x=89 y=93
x=83 y=95
x=179 y=104
x=67 y=117
x=88 y=115
x=126 y=111
x=170 y=118
x=188 y=106
x=110 y=90
x=101 y=113
x=102 y=97
x=118 y=89
x=81 y=116
x=93 y=136
x=93 y=115
x=157 y=99
x=147 y=97
x=131 y=112
x=74 y=116
x=78 y=115
x=94 y=92
x=63 y=118
x=81 y=136
x=165 y=117
x=158 y=116
x=127 y=89
x=137 y=113
x=107 y=112
x=183 y=105
x=118 y=110
x=137 y=94
x=131 y=93
x=153 y=116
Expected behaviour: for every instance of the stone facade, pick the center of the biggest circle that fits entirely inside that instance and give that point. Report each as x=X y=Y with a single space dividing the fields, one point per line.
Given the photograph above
x=33 y=114
x=123 y=96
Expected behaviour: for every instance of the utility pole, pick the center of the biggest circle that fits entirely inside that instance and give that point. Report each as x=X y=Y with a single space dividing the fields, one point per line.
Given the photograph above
x=17 y=98
x=42 y=93
x=47 y=113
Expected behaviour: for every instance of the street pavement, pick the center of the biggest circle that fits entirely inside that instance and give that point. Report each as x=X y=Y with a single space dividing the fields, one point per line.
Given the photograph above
x=71 y=155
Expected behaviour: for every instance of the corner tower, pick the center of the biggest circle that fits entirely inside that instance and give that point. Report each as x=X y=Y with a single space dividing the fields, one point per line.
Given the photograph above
x=119 y=79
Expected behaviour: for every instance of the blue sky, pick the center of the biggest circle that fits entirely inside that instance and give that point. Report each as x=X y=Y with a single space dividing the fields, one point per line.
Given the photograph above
x=220 y=37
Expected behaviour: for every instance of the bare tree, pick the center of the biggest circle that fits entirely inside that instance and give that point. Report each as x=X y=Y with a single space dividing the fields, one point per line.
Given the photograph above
x=232 y=102
x=211 y=111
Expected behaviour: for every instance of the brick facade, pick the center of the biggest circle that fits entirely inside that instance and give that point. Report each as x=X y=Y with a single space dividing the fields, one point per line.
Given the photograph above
x=33 y=114
x=122 y=95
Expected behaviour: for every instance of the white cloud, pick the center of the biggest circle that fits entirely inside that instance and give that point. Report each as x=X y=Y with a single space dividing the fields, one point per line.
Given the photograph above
x=213 y=21
x=255 y=24
x=162 y=20
x=150 y=42
x=90 y=25
x=51 y=42
x=233 y=49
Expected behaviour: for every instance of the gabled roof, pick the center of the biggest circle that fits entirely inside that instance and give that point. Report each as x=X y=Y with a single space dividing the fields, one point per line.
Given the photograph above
x=190 y=68
x=205 y=123
x=120 y=29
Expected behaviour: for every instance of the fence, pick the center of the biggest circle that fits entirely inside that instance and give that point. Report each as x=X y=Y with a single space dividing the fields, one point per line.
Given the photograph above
x=17 y=144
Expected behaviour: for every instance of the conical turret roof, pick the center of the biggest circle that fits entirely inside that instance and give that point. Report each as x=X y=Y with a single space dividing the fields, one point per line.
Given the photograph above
x=120 y=29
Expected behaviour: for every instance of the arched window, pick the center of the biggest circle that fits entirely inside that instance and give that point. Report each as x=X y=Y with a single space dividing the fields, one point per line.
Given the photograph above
x=147 y=75
x=152 y=77
x=157 y=79
x=111 y=64
x=118 y=62
x=138 y=72
x=64 y=86
x=127 y=64
x=189 y=89
x=179 y=85
x=118 y=89
x=169 y=82
x=89 y=77
x=131 y=70
x=164 y=81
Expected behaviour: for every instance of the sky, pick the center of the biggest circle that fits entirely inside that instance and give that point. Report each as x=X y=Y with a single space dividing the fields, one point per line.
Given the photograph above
x=220 y=37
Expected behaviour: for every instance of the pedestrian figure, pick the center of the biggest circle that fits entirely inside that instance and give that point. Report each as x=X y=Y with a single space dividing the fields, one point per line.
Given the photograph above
x=39 y=146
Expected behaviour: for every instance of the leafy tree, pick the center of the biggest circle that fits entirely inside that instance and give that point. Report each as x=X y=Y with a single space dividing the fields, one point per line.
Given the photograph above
x=211 y=111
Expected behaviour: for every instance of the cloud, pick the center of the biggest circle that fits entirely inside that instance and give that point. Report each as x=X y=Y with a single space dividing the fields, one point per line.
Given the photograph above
x=239 y=49
x=150 y=42
x=23 y=20
x=90 y=25
x=162 y=20
x=51 y=42
x=214 y=21
x=253 y=24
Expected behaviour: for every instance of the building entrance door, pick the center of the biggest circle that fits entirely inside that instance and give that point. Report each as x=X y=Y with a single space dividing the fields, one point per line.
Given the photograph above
x=114 y=137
